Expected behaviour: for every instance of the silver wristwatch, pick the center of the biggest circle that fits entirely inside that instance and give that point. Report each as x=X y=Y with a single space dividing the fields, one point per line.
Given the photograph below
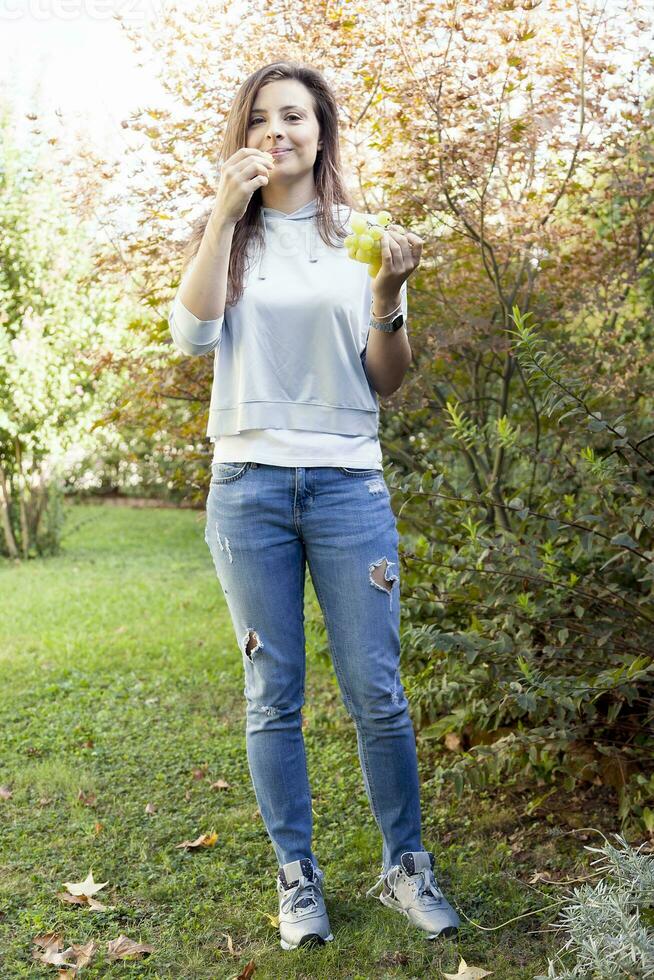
x=391 y=327
x=386 y=325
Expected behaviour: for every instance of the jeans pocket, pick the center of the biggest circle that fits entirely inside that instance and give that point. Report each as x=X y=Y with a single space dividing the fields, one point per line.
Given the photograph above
x=227 y=472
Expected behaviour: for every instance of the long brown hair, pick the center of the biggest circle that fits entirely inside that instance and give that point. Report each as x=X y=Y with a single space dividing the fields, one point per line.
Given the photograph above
x=330 y=186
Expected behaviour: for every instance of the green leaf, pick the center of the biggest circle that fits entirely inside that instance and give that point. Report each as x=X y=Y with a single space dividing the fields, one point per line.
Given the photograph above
x=625 y=540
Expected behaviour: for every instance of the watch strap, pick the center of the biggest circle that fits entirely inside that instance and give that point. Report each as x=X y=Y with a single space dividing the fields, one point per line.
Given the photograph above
x=391 y=327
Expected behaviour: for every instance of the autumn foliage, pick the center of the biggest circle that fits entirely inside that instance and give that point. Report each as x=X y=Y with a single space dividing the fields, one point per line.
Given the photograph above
x=516 y=139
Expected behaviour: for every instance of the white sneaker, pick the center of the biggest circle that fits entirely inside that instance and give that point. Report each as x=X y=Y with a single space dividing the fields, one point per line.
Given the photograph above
x=411 y=888
x=303 y=917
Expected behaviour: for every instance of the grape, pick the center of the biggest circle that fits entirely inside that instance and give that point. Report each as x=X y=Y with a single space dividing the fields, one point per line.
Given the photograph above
x=364 y=244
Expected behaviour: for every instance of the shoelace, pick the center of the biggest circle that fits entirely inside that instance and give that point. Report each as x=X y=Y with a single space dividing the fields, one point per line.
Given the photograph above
x=288 y=901
x=426 y=886
x=380 y=879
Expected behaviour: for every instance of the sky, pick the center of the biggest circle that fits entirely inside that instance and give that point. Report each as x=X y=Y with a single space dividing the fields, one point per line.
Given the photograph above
x=72 y=59
x=75 y=54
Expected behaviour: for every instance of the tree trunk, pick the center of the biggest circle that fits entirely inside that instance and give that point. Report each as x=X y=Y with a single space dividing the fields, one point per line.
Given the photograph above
x=38 y=508
x=12 y=547
x=24 y=529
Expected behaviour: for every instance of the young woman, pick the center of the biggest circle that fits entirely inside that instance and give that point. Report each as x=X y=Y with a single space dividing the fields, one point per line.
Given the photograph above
x=304 y=340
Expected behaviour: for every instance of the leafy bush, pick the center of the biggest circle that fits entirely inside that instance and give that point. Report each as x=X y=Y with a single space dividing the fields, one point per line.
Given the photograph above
x=58 y=320
x=531 y=638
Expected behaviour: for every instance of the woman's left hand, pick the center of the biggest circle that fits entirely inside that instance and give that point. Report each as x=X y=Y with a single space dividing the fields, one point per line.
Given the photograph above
x=400 y=255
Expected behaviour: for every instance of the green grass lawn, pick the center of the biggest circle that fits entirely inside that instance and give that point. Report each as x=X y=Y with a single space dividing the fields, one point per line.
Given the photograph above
x=122 y=678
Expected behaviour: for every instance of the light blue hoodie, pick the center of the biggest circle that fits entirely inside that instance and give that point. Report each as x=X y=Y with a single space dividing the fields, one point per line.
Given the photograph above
x=291 y=353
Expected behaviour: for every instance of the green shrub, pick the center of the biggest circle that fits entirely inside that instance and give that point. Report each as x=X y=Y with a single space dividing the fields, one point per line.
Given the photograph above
x=530 y=642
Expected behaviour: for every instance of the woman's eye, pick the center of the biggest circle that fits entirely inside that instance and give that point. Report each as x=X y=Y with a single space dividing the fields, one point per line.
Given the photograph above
x=258 y=119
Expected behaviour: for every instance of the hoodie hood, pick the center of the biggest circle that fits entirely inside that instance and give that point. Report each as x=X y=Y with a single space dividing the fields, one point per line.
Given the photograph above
x=306 y=213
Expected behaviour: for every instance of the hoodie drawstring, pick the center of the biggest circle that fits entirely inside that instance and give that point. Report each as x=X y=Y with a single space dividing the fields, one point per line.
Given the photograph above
x=313 y=257
x=312 y=233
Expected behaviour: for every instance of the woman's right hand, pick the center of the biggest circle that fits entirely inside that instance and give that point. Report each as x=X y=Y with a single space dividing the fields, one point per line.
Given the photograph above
x=241 y=175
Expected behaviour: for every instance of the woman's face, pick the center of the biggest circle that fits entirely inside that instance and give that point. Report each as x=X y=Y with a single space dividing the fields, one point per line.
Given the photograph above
x=283 y=117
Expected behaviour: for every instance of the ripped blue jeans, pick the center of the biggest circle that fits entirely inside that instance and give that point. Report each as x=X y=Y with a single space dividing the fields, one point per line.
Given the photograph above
x=264 y=524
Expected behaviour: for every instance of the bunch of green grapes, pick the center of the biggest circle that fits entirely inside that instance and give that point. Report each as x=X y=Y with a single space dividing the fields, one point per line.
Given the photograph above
x=364 y=244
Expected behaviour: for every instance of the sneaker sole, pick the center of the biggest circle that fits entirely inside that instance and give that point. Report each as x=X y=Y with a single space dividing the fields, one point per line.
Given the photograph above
x=311 y=939
x=447 y=933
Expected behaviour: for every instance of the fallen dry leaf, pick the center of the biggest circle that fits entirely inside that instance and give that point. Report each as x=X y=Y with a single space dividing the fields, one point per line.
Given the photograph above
x=87 y=887
x=466 y=972
x=48 y=939
x=150 y=808
x=72 y=899
x=126 y=949
x=200 y=773
x=54 y=957
x=204 y=840
x=220 y=784
x=53 y=954
x=87 y=900
x=5 y=793
x=74 y=957
x=88 y=799
x=247 y=971
x=84 y=954
x=274 y=919
x=97 y=906
x=50 y=942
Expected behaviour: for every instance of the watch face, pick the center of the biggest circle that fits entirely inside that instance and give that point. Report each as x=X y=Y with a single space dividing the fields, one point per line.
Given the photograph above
x=398 y=322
